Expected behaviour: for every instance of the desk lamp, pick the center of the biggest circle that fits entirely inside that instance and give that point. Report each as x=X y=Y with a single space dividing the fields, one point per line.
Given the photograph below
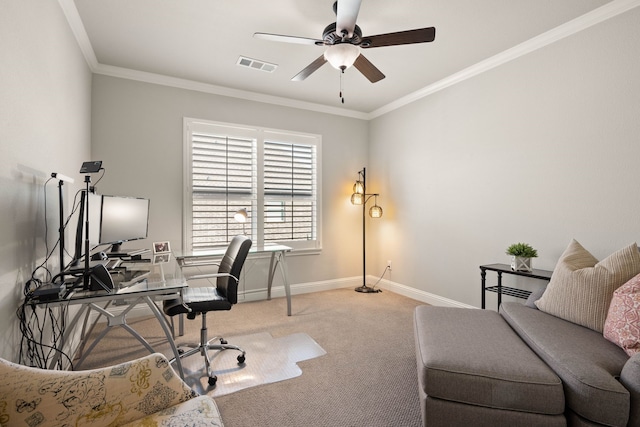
x=241 y=216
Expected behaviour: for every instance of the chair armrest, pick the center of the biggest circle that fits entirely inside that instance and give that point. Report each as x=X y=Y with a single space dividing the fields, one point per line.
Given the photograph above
x=113 y=395
x=198 y=263
x=209 y=275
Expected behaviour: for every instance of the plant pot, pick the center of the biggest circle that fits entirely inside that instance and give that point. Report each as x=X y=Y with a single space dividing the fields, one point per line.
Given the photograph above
x=519 y=263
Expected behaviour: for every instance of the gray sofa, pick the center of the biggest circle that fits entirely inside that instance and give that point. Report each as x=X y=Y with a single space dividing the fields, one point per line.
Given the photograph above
x=601 y=383
x=478 y=367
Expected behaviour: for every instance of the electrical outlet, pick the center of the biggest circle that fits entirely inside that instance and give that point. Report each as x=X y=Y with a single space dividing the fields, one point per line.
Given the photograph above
x=389 y=264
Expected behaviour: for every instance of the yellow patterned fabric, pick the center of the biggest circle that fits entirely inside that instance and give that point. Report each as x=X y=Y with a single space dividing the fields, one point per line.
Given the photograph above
x=143 y=392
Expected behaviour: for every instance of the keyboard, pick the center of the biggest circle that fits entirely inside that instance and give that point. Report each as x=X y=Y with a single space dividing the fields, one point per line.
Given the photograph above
x=109 y=264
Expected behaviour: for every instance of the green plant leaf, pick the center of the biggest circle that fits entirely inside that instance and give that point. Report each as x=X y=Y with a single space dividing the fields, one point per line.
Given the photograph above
x=522 y=250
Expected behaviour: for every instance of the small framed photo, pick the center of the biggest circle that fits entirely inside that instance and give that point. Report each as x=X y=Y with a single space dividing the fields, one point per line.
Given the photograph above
x=161 y=258
x=161 y=248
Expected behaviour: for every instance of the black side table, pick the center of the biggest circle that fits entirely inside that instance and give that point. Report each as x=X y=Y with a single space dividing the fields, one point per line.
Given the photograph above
x=505 y=290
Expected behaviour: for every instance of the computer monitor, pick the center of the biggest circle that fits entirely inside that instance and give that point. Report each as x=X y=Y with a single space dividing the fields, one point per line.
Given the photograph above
x=123 y=219
x=113 y=220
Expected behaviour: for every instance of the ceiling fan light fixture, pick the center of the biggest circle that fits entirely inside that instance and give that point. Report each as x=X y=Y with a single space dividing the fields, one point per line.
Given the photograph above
x=342 y=55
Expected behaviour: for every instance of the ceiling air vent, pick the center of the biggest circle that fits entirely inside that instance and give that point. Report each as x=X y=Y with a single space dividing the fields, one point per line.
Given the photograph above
x=243 y=61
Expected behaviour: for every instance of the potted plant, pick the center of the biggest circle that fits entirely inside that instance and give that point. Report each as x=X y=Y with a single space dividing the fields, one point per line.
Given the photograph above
x=521 y=254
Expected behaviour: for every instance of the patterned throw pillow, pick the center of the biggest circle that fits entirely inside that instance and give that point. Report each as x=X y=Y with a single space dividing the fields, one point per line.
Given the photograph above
x=581 y=288
x=622 y=326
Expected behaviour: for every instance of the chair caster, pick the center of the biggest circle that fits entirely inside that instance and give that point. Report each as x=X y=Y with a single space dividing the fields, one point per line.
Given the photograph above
x=241 y=359
x=223 y=341
x=213 y=380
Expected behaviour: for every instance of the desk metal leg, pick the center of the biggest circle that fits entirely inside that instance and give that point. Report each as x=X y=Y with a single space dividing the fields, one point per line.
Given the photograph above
x=121 y=320
x=285 y=278
x=278 y=260
x=167 y=332
x=112 y=321
x=87 y=331
x=272 y=272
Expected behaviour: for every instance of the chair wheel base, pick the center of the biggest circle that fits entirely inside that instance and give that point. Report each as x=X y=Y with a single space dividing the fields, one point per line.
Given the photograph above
x=241 y=359
x=213 y=380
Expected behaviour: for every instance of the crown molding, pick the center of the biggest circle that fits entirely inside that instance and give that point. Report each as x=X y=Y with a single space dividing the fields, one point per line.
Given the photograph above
x=77 y=27
x=567 y=29
x=159 y=79
x=596 y=16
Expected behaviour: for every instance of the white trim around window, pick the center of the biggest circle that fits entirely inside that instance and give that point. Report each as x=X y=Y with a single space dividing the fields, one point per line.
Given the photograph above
x=275 y=175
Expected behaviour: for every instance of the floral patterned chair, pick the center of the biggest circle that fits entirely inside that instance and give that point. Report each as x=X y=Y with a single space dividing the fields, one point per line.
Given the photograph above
x=143 y=392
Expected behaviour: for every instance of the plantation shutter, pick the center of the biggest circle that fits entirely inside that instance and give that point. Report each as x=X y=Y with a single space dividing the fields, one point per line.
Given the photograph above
x=289 y=191
x=274 y=175
x=223 y=171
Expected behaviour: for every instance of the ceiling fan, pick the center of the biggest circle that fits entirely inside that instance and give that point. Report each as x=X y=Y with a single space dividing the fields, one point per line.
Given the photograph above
x=344 y=40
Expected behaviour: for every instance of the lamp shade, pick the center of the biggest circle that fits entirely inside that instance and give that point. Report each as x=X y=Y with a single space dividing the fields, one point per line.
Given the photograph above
x=342 y=55
x=357 y=198
x=241 y=215
x=358 y=187
x=375 y=211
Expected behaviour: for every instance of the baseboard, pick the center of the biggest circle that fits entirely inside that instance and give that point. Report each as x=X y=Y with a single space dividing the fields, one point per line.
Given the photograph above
x=419 y=295
x=300 y=288
x=325 y=285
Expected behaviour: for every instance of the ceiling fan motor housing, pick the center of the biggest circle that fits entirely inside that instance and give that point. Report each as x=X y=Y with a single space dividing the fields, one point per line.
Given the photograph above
x=343 y=50
x=331 y=37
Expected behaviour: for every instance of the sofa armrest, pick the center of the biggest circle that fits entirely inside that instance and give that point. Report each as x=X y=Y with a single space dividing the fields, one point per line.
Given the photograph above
x=114 y=395
x=630 y=379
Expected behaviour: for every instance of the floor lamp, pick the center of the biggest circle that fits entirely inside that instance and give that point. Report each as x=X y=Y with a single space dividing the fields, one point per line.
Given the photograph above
x=360 y=197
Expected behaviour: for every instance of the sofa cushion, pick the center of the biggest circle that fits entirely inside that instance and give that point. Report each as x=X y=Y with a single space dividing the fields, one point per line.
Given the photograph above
x=581 y=288
x=622 y=326
x=587 y=363
x=444 y=413
x=472 y=356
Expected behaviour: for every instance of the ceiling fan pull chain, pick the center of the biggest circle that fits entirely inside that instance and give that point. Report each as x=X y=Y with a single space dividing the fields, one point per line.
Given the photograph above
x=341 y=97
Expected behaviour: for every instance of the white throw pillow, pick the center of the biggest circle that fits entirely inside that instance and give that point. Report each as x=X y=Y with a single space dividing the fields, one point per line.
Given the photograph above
x=581 y=288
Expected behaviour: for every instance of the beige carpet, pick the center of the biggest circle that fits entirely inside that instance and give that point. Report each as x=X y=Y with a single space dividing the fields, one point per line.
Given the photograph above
x=367 y=378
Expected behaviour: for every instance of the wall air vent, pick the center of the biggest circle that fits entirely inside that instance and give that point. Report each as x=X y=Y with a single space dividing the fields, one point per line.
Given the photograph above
x=243 y=61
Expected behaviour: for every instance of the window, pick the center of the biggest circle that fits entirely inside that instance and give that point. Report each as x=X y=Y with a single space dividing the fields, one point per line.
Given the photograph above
x=273 y=175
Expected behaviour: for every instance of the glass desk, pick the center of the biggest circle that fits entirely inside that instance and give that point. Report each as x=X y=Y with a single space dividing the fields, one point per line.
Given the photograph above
x=134 y=283
x=203 y=258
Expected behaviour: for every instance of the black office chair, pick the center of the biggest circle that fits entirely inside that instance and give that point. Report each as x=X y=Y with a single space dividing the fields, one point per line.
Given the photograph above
x=201 y=300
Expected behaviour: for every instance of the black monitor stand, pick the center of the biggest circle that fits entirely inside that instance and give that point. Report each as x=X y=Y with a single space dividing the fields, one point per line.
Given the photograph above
x=117 y=252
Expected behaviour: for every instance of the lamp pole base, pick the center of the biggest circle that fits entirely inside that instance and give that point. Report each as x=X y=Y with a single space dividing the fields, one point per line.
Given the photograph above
x=367 y=290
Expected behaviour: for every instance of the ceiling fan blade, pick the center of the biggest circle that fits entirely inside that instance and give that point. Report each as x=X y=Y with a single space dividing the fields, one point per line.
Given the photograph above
x=288 y=39
x=421 y=35
x=346 y=16
x=309 y=69
x=368 y=69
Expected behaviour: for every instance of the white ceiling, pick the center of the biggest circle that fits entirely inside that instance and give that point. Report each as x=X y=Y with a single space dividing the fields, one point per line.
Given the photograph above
x=199 y=42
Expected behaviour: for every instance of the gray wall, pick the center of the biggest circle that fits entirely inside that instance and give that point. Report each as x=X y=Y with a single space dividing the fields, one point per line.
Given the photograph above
x=45 y=107
x=542 y=150
x=137 y=130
